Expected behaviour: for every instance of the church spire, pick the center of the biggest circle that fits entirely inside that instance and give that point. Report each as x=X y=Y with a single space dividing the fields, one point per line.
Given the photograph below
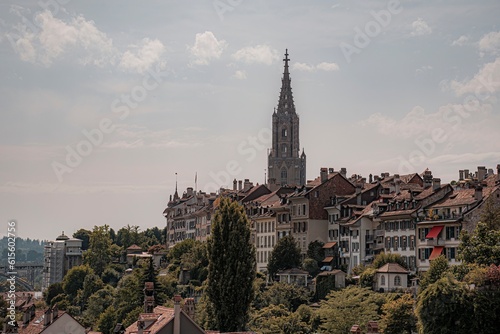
x=176 y=194
x=285 y=104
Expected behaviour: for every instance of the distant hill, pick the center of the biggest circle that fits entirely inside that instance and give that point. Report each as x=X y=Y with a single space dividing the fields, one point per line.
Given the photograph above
x=27 y=250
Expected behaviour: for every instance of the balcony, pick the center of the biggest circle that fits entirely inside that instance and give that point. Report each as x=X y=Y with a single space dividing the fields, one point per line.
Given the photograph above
x=379 y=233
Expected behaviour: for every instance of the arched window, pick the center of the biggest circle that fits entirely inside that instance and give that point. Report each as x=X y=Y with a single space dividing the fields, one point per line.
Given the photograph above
x=284 y=149
x=284 y=177
x=397 y=281
x=284 y=132
x=382 y=280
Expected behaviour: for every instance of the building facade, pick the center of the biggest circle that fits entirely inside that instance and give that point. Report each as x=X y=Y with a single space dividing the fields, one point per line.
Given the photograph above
x=60 y=256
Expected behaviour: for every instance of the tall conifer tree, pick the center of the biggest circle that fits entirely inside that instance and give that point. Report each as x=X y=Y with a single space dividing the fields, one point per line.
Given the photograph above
x=231 y=269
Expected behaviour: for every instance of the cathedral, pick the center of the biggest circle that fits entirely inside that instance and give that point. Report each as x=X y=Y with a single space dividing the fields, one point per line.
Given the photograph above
x=286 y=164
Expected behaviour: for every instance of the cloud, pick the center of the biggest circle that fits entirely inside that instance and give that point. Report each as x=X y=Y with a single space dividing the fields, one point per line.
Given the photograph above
x=461 y=41
x=241 y=75
x=206 y=48
x=65 y=188
x=485 y=83
x=420 y=28
x=328 y=67
x=55 y=38
x=144 y=56
x=490 y=43
x=260 y=54
x=423 y=69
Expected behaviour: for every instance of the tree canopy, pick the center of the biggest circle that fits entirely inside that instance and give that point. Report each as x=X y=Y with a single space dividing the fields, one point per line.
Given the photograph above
x=231 y=267
x=285 y=255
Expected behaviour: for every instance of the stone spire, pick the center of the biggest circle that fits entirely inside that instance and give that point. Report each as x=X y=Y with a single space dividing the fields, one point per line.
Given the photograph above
x=285 y=104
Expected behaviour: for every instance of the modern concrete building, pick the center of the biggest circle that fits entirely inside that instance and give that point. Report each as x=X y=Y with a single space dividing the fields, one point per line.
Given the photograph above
x=60 y=256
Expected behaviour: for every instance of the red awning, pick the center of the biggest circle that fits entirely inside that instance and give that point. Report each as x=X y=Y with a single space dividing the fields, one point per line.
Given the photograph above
x=436 y=252
x=434 y=232
x=328 y=259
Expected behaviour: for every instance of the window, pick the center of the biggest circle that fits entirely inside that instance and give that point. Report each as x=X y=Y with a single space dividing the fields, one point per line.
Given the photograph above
x=304 y=209
x=450 y=232
x=382 y=280
x=397 y=280
x=404 y=242
x=450 y=253
x=412 y=242
x=284 y=177
x=284 y=148
x=284 y=132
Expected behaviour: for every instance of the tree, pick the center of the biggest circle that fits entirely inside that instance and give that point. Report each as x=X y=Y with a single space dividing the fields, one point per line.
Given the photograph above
x=179 y=249
x=349 y=306
x=445 y=307
x=84 y=236
x=231 y=268
x=367 y=278
x=315 y=251
x=52 y=291
x=439 y=266
x=384 y=258
x=96 y=304
x=98 y=255
x=285 y=255
x=107 y=320
x=73 y=280
x=482 y=246
x=288 y=295
x=311 y=266
x=398 y=316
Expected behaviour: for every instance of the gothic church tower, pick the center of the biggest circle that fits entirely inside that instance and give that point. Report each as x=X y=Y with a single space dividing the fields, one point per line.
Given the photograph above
x=286 y=165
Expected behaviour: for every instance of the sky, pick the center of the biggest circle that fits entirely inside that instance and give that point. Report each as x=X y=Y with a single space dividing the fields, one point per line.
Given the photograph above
x=104 y=104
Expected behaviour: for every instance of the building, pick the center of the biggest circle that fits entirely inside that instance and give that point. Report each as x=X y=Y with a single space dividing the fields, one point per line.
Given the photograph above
x=60 y=256
x=50 y=321
x=391 y=277
x=286 y=164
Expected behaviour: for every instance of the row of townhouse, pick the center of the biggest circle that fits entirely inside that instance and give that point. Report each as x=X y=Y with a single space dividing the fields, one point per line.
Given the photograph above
x=413 y=215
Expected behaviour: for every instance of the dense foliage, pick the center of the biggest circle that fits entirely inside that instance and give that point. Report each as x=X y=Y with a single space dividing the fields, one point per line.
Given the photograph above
x=231 y=267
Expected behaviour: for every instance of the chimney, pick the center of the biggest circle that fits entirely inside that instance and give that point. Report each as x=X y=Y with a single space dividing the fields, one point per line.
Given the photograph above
x=481 y=173
x=55 y=312
x=240 y=185
x=235 y=184
x=177 y=314
x=478 y=194
x=359 y=187
x=436 y=183
x=343 y=172
x=189 y=191
x=331 y=171
x=140 y=326
x=466 y=174
x=376 y=178
x=323 y=172
x=47 y=317
x=247 y=185
x=370 y=178
x=427 y=178
x=397 y=185
x=460 y=175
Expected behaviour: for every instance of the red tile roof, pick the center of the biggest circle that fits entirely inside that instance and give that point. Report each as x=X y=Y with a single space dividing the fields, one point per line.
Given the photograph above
x=392 y=268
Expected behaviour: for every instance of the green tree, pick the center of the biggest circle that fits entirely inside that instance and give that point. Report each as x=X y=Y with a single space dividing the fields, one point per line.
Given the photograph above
x=231 y=269
x=52 y=291
x=98 y=255
x=96 y=304
x=439 y=266
x=315 y=251
x=285 y=255
x=384 y=258
x=91 y=284
x=289 y=295
x=398 y=316
x=179 y=249
x=107 y=320
x=73 y=280
x=276 y=319
x=352 y=305
x=367 y=278
x=84 y=236
x=311 y=266
x=482 y=246
x=445 y=307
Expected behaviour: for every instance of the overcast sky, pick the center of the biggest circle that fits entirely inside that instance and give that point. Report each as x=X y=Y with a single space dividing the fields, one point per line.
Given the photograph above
x=104 y=101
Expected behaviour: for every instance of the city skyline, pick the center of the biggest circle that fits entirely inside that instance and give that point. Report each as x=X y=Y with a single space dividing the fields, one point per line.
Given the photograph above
x=190 y=90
